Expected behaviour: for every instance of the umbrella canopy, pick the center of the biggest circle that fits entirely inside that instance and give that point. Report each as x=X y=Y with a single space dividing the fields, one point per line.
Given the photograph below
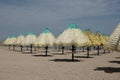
x=73 y=36
x=46 y=38
x=113 y=42
x=30 y=39
x=92 y=37
x=100 y=38
x=105 y=38
x=12 y=40
x=20 y=39
x=59 y=38
x=6 y=42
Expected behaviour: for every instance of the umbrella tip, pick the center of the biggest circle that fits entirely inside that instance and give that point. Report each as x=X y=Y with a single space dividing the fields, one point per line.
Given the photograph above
x=73 y=26
x=21 y=34
x=46 y=30
x=12 y=36
x=30 y=33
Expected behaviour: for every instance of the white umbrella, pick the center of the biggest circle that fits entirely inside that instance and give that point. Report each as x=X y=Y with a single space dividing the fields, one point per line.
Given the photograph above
x=12 y=41
x=30 y=40
x=6 y=41
x=114 y=39
x=73 y=36
x=19 y=40
x=46 y=39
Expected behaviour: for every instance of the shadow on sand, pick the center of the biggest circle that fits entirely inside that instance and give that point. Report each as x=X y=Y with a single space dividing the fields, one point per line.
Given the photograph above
x=23 y=52
x=64 y=60
x=117 y=57
x=42 y=55
x=108 y=69
x=58 y=53
x=95 y=54
x=83 y=57
x=118 y=62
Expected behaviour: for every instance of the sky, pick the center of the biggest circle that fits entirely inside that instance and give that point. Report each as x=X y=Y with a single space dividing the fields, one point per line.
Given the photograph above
x=24 y=16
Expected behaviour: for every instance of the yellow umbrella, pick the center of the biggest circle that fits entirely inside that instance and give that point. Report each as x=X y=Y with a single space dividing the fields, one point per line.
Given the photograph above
x=92 y=37
x=105 y=39
x=100 y=38
x=114 y=40
x=46 y=39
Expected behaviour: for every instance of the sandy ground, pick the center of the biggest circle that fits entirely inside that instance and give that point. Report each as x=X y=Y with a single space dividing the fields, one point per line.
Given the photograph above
x=15 y=65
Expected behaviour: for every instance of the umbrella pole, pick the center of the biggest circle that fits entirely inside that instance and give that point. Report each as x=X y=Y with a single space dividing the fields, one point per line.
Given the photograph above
x=73 y=52
x=21 y=47
x=27 y=47
x=88 y=48
x=14 y=47
x=58 y=48
x=63 y=49
x=35 y=48
x=38 y=48
x=98 y=50
x=9 y=47
x=104 y=51
x=83 y=49
x=31 y=48
x=46 y=50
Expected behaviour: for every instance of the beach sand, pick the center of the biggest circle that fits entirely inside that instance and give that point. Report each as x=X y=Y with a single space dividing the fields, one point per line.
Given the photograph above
x=15 y=65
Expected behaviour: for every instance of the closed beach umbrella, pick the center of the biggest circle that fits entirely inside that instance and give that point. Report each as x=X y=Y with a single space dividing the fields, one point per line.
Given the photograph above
x=46 y=39
x=73 y=36
x=113 y=42
x=30 y=40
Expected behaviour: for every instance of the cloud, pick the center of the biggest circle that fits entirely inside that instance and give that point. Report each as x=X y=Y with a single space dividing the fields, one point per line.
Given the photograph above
x=23 y=14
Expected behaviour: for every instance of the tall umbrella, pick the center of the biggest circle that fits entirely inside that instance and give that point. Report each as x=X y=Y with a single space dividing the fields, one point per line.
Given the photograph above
x=101 y=40
x=19 y=40
x=58 y=41
x=30 y=40
x=7 y=42
x=105 y=37
x=46 y=39
x=92 y=37
x=114 y=40
x=12 y=41
x=73 y=36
